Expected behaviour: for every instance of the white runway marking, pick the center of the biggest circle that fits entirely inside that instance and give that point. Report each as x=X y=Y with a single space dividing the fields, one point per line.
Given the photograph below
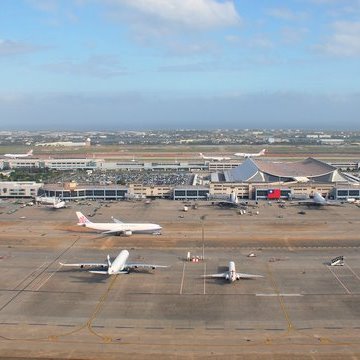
x=356 y=275
x=47 y=279
x=204 y=277
x=337 y=278
x=278 y=295
x=182 y=279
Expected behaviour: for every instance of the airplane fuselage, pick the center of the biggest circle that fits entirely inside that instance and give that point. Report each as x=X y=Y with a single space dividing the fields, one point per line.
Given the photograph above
x=15 y=156
x=133 y=227
x=119 y=264
x=232 y=272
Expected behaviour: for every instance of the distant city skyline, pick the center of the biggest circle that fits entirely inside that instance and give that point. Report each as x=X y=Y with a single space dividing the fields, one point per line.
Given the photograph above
x=154 y=64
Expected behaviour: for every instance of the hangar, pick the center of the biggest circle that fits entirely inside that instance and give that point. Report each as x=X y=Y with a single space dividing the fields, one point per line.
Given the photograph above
x=265 y=171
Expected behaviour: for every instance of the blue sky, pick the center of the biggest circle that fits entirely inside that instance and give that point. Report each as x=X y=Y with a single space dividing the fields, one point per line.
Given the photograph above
x=142 y=64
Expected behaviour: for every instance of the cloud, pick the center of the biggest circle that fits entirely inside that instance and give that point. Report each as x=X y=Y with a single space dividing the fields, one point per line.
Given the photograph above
x=99 y=66
x=58 y=11
x=345 y=40
x=293 y=35
x=194 y=14
x=286 y=14
x=12 y=47
x=178 y=27
x=44 y=5
x=155 y=111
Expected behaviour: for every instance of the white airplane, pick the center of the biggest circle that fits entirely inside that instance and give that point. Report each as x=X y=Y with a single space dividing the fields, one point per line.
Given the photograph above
x=118 y=266
x=215 y=158
x=319 y=200
x=51 y=201
x=14 y=156
x=230 y=201
x=58 y=204
x=247 y=155
x=118 y=228
x=231 y=275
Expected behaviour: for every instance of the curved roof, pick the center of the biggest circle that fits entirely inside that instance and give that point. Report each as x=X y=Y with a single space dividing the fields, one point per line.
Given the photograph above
x=259 y=170
x=304 y=168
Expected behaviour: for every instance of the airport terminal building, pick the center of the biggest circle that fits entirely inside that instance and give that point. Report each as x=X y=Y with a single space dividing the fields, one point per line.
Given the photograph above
x=253 y=179
x=265 y=171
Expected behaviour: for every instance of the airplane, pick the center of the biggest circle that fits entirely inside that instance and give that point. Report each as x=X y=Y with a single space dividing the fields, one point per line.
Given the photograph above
x=51 y=202
x=118 y=266
x=247 y=155
x=226 y=201
x=231 y=201
x=231 y=275
x=215 y=158
x=58 y=204
x=318 y=200
x=14 y=156
x=118 y=227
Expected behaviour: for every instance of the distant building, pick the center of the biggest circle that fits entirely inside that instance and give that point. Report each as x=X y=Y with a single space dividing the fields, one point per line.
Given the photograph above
x=66 y=143
x=19 y=189
x=265 y=171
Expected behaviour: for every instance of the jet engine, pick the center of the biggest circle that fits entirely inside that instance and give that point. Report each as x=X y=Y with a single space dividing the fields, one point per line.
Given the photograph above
x=127 y=233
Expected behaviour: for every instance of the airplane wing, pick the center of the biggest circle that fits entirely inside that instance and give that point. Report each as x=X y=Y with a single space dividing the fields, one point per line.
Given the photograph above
x=247 y=276
x=86 y=265
x=113 y=232
x=146 y=266
x=220 y=275
x=117 y=221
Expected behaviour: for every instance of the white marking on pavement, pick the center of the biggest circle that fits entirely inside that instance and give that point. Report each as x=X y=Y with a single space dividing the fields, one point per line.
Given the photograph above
x=47 y=279
x=337 y=278
x=356 y=275
x=204 y=277
x=182 y=279
x=278 y=294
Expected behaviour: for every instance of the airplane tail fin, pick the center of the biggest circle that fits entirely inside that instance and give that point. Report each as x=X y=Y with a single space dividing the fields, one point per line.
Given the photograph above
x=117 y=221
x=201 y=154
x=108 y=261
x=262 y=152
x=29 y=152
x=318 y=198
x=82 y=218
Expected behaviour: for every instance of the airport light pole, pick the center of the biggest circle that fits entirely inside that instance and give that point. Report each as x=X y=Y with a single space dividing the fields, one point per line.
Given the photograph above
x=202 y=218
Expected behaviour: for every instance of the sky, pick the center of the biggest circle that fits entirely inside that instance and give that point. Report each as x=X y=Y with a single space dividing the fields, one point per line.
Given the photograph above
x=169 y=64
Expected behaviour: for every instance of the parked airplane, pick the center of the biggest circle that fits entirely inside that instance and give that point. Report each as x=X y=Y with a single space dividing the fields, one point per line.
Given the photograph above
x=14 y=156
x=231 y=275
x=118 y=266
x=319 y=200
x=230 y=201
x=247 y=155
x=51 y=202
x=118 y=228
x=215 y=158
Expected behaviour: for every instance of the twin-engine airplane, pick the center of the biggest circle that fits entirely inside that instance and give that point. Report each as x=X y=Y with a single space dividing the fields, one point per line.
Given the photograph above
x=231 y=275
x=14 y=156
x=319 y=200
x=51 y=202
x=118 y=266
x=247 y=155
x=214 y=158
x=118 y=227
